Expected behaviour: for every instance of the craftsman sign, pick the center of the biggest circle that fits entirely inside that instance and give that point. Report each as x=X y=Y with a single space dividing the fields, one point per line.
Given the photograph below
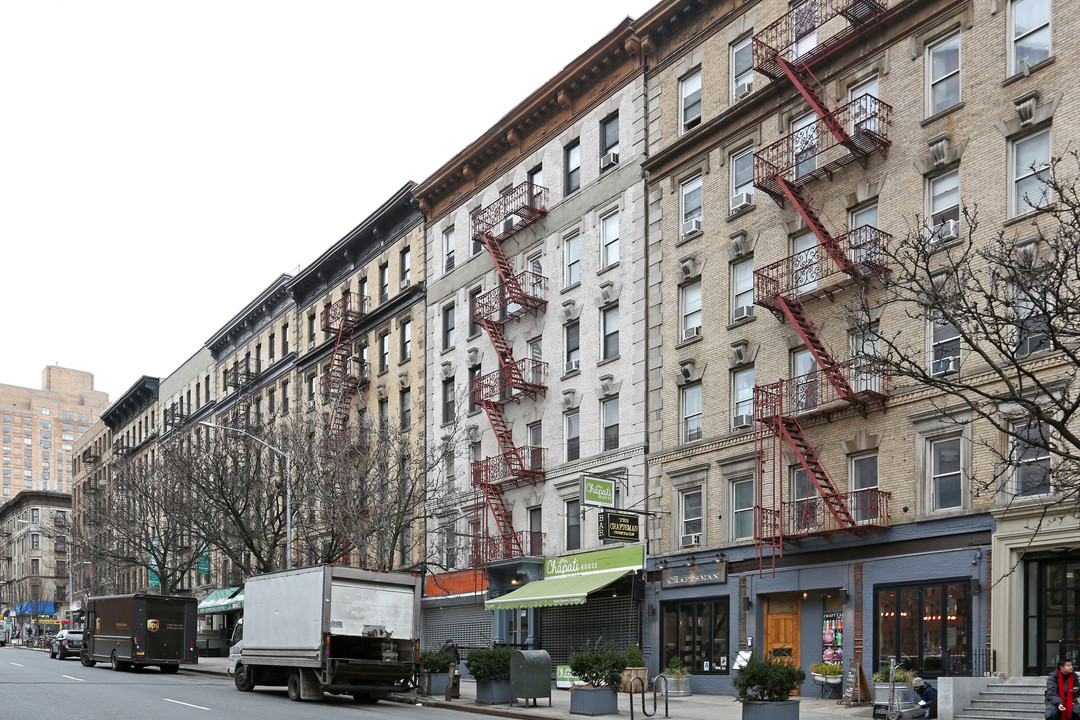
x=618 y=526
x=710 y=573
x=597 y=491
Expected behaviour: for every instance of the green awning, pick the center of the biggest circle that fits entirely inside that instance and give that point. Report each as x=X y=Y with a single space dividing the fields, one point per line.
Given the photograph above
x=221 y=601
x=555 y=592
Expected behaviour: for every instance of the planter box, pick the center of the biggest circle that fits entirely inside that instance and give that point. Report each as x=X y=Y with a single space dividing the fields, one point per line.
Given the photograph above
x=632 y=672
x=594 y=701
x=493 y=692
x=675 y=686
x=437 y=683
x=756 y=710
x=903 y=692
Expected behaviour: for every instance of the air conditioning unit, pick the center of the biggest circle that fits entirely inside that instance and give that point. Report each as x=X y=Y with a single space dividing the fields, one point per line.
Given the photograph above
x=405 y=282
x=507 y=225
x=744 y=312
x=744 y=88
x=946 y=231
x=743 y=422
x=609 y=160
x=741 y=201
x=691 y=227
x=944 y=366
x=572 y=365
x=690 y=540
x=691 y=332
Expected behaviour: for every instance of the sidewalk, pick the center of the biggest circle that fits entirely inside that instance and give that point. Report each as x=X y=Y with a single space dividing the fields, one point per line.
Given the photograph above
x=695 y=707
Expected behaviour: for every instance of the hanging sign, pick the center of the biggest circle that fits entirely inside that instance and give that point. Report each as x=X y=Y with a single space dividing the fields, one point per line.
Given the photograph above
x=618 y=526
x=597 y=491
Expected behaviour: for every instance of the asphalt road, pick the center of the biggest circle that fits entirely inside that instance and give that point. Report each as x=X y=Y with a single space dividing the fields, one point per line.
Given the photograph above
x=32 y=686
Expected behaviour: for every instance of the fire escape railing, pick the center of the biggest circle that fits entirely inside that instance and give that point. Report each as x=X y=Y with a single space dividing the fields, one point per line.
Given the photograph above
x=339 y=383
x=490 y=549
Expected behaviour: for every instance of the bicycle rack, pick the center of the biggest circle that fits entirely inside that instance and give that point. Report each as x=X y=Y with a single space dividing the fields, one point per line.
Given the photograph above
x=644 y=711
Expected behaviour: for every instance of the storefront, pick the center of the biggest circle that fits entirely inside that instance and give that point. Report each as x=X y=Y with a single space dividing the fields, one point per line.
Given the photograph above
x=453 y=607
x=219 y=612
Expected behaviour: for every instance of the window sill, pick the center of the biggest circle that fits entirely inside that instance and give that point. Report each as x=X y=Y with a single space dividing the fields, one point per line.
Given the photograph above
x=405 y=361
x=450 y=349
x=607 y=361
x=383 y=372
x=571 y=374
x=684 y=343
x=937 y=116
x=474 y=413
x=568 y=288
x=740 y=323
x=1032 y=69
x=473 y=336
x=739 y=213
x=610 y=267
x=1030 y=214
x=683 y=239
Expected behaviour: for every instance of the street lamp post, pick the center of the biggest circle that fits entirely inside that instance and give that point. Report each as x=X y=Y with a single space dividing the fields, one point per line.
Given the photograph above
x=287 y=454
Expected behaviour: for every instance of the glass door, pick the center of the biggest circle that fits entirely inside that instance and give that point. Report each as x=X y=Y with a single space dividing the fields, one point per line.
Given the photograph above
x=1051 y=613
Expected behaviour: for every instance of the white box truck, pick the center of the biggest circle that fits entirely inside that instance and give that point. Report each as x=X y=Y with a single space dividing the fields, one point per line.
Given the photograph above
x=329 y=629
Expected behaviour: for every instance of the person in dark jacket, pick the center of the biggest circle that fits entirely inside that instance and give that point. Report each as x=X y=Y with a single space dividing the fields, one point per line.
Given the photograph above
x=1061 y=690
x=453 y=685
x=927 y=696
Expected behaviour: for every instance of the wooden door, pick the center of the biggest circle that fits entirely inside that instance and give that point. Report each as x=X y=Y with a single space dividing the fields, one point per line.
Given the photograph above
x=782 y=628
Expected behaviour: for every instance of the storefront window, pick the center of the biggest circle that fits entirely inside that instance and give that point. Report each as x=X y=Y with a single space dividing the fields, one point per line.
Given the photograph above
x=925 y=628
x=699 y=634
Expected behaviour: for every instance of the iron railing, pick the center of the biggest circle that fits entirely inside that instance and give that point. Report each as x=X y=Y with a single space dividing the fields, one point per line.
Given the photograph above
x=812 y=516
x=506 y=303
x=814 y=393
x=511 y=212
x=834 y=21
x=350 y=307
x=490 y=549
x=522 y=463
x=505 y=384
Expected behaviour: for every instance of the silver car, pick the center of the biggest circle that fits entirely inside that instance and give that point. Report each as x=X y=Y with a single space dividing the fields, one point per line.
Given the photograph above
x=66 y=643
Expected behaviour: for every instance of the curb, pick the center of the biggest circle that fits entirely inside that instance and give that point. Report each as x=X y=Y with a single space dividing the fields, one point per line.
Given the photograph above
x=476 y=708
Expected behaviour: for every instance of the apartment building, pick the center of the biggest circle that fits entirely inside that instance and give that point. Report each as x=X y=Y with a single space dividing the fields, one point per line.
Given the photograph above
x=812 y=507
x=41 y=424
x=34 y=539
x=535 y=244
x=91 y=473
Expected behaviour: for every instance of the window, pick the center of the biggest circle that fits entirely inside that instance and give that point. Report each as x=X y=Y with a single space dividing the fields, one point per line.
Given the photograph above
x=35 y=564
x=384 y=282
x=805 y=495
x=609 y=330
x=449 y=543
x=284 y=351
x=946 y=481
x=536 y=186
x=572 y=258
x=1031 y=325
x=1031 y=166
x=536 y=355
x=535 y=434
x=474 y=325
x=448 y=400
x=691 y=310
x=406 y=340
x=691 y=202
x=448 y=327
x=573 y=435
x=1031 y=459
x=609 y=416
x=405 y=398
x=743 y=398
x=384 y=351
x=945 y=206
x=609 y=142
x=270 y=345
x=406 y=267
x=691 y=414
x=928 y=626
x=1030 y=33
x=742 y=493
x=690 y=521
x=285 y=397
x=742 y=288
x=271 y=401
x=742 y=68
x=690 y=101
x=573 y=348
x=448 y=249
x=944 y=74
x=384 y=414
x=474 y=376
x=944 y=347
x=698 y=633
x=310 y=332
x=804 y=144
x=804 y=263
x=572 y=155
x=865 y=349
x=35 y=541
x=742 y=179
x=864 y=478
x=573 y=524
x=35 y=515
x=311 y=390
x=863 y=242
x=609 y=232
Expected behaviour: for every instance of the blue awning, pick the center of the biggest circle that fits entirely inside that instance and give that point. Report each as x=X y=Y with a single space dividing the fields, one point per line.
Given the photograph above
x=35 y=607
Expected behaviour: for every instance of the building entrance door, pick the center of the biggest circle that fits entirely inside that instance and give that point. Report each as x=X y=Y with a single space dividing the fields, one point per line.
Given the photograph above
x=1052 y=612
x=782 y=628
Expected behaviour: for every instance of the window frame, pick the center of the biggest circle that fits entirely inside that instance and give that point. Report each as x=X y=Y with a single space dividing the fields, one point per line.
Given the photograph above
x=572 y=528
x=605 y=145
x=742 y=404
x=737 y=512
x=572 y=436
x=743 y=297
x=864 y=506
x=607 y=243
x=609 y=339
x=449 y=391
x=692 y=79
x=691 y=313
x=933 y=83
x=572 y=167
x=572 y=353
x=449 y=323
x=686 y=187
x=405 y=339
x=747 y=73
x=572 y=259
x=691 y=424
x=384 y=351
x=934 y=476
x=940 y=215
x=1017 y=175
x=1014 y=62
x=747 y=186
x=448 y=249
x=1018 y=462
x=686 y=520
x=609 y=432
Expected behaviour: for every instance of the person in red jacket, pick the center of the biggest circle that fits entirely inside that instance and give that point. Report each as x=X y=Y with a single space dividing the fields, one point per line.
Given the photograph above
x=1062 y=688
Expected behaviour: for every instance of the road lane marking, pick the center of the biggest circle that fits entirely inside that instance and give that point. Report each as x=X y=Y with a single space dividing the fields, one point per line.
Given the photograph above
x=18 y=664
x=73 y=678
x=197 y=707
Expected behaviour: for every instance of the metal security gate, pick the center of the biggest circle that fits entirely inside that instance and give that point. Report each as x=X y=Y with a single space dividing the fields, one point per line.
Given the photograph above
x=469 y=626
x=615 y=621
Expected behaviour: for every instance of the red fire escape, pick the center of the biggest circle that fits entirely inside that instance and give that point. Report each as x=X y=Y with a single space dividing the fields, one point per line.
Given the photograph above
x=818 y=148
x=339 y=383
x=518 y=295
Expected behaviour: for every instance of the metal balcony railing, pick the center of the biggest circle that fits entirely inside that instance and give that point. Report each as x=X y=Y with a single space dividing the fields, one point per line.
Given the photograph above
x=522 y=463
x=814 y=394
x=489 y=549
x=812 y=517
x=350 y=307
x=503 y=385
x=503 y=304
x=511 y=212
x=811 y=30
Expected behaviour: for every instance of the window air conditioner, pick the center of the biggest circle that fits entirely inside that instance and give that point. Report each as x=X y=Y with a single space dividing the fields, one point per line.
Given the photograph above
x=741 y=201
x=690 y=540
x=744 y=312
x=946 y=231
x=691 y=227
x=743 y=422
x=572 y=365
x=507 y=225
x=405 y=282
x=744 y=88
x=691 y=332
x=612 y=158
x=944 y=366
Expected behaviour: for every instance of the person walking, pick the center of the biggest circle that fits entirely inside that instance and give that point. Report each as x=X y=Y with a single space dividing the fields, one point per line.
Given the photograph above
x=1061 y=690
x=453 y=685
x=927 y=696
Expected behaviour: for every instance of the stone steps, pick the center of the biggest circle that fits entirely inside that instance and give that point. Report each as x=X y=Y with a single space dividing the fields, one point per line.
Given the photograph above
x=1014 y=699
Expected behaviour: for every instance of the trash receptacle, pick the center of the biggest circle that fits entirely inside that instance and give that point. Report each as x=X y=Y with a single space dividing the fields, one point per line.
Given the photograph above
x=530 y=675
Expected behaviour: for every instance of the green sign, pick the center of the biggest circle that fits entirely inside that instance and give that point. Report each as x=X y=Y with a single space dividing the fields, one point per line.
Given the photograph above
x=597 y=491
x=624 y=558
x=204 y=565
x=564 y=678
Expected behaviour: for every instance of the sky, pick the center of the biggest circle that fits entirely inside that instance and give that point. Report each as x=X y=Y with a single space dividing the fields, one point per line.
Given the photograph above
x=162 y=163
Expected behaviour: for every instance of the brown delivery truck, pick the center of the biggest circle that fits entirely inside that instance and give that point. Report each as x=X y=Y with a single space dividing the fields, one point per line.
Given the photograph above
x=139 y=630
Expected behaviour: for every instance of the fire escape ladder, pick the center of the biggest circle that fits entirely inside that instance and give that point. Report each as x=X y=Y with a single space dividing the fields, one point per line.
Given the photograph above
x=338 y=384
x=795 y=312
x=511 y=541
x=802 y=200
x=808 y=457
x=808 y=86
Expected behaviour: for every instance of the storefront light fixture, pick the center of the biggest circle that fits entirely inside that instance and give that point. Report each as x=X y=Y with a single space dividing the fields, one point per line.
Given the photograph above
x=690 y=561
x=720 y=557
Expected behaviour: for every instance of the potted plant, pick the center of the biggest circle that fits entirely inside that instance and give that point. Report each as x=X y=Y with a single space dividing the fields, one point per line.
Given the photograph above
x=903 y=686
x=600 y=668
x=676 y=681
x=491 y=670
x=824 y=672
x=436 y=666
x=765 y=685
x=635 y=667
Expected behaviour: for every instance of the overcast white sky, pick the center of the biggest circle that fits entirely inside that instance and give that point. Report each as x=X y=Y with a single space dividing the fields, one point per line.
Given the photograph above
x=161 y=163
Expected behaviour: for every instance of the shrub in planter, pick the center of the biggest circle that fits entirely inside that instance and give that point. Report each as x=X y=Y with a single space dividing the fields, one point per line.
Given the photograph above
x=903 y=686
x=634 y=657
x=437 y=664
x=491 y=669
x=635 y=667
x=764 y=686
x=676 y=678
x=600 y=667
x=827 y=672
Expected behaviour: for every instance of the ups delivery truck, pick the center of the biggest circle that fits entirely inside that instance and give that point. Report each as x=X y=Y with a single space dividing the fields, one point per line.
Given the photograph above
x=139 y=630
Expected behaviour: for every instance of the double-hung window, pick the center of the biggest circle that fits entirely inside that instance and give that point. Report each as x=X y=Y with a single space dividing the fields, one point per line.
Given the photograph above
x=609 y=142
x=944 y=347
x=474 y=296
x=1030 y=33
x=945 y=207
x=691 y=414
x=945 y=476
x=405 y=399
x=609 y=416
x=944 y=74
x=690 y=101
x=448 y=249
x=805 y=495
x=406 y=340
x=1031 y=459
x=572 y=258
x=692 y=520
x=406 y=267
x=742 y=493
x=690 y=192
x=742 y=68
x=474 y=376
x=448 y=320
x=609 y=332
x=572 y=430
x=742 y=179
x=384 y=283
x=1031 y=167
x=573 y=524
x=572 y=159
x=609 y=236
x=572 y=342
x=864 y=480
x=691 y=310
x=536 y=186
x=743 y=398
x=384 y=352
x=448 y=400
x=742 y=288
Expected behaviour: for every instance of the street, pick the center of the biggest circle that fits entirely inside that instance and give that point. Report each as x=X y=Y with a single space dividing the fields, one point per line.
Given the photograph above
x=33 y=686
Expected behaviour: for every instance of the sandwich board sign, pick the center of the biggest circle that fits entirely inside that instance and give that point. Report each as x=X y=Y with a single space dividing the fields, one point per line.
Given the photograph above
x=598 y=491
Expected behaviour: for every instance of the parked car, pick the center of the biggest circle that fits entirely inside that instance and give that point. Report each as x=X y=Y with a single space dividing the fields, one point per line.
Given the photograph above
x=65 y=644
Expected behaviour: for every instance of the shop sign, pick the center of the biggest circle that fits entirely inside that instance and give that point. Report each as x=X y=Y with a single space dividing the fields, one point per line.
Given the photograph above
x=832 y=637
x=624 y=558
x=564 y=678
x=710 y=573
x=597 y=491
x=619 y=526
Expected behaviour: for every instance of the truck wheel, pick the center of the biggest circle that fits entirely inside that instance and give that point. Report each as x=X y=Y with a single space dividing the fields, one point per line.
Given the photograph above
x=242 y=679
x=294 y=685
x=116 y=664
x=170 y=669
x=84 y=658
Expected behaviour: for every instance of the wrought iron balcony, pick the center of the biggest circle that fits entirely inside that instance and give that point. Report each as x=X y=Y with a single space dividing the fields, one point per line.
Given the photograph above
x=811 y=517
x=523 y=377
x=513 y=211
x=242 y=372
x=815 y=393
x=831 y=24
x=507 y=302
x=522 y=464
x=492 y=549
x=348 y=309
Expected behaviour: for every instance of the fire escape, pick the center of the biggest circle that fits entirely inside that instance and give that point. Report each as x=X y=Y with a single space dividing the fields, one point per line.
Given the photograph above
x=816 y=148
x=518 y=295
x=339 y=383
x=241 y=378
